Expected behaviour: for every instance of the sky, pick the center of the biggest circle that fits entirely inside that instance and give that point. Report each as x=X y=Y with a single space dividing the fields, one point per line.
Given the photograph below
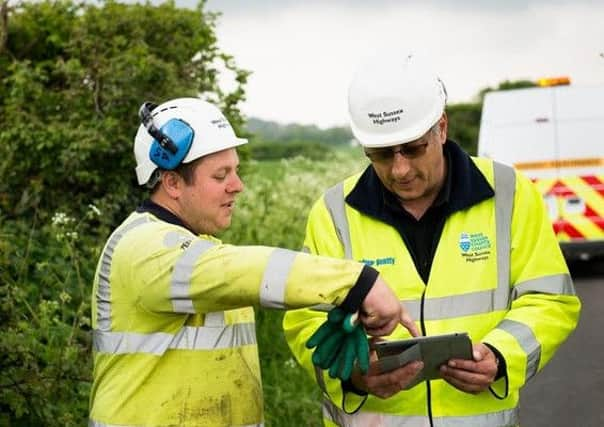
x=302 y=54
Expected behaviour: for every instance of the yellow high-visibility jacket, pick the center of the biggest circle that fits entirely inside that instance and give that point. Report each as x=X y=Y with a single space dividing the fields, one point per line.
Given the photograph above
x=497 y=273
x=173 y=328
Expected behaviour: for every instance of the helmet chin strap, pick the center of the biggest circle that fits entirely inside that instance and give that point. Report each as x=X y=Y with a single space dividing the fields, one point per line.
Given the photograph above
x=153 y=179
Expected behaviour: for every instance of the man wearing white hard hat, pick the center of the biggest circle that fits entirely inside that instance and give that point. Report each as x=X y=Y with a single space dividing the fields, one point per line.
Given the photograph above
x=465 y=242
x=173 y=325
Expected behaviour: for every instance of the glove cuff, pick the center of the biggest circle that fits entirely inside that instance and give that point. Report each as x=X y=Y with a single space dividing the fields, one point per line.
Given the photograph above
x=359 y=291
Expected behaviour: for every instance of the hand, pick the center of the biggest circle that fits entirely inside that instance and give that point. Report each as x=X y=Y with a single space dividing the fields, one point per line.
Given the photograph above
x=382 y=311
x=472 y=376
x=388 y=384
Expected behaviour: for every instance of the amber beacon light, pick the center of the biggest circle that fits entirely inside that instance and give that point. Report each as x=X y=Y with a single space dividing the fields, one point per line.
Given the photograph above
x=553 y=81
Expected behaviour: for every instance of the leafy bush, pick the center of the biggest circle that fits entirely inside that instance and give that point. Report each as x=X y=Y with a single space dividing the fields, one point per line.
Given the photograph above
x=72 y=76
x=45 y=278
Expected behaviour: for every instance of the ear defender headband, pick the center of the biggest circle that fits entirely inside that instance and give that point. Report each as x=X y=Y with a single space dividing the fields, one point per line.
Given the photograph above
x=171 y=142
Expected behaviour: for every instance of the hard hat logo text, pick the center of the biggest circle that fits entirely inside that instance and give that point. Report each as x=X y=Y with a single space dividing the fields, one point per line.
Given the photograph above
x=385 y=117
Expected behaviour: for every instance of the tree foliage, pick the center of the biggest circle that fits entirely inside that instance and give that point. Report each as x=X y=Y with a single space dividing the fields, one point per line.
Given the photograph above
x=72 y=76
x=464 y=120
x=275 y=132
x=275 y=151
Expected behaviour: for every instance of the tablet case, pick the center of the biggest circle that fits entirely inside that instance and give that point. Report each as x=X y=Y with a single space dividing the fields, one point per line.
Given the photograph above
x=432 y=350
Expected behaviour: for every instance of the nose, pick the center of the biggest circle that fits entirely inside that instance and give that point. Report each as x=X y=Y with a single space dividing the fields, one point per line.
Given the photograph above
x=400 y=165
x=235 y=185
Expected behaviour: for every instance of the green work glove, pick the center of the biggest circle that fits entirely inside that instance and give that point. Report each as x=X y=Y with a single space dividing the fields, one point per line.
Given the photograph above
x=340 y=343
x=354 y=351
x=327 y=339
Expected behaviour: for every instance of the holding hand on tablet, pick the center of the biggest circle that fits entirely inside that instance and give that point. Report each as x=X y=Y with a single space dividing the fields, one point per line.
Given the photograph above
x=389 y=383
x=472 y=376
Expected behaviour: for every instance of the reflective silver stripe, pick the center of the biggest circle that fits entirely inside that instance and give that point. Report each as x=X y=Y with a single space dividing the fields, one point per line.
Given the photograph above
x=361 y=419
x=272 y=287
x=181 y=276
x=527 y=340
x=334 y=201
x=335 y=204
x=103 y=294
x=505 y=188
x=556 y=284
x=459 y=305
x=413 y=307
x=214 y=319
x=505 y=418
x=188 y=338
x=473 y=303
x=177 y=238
x=452 y=306
x=92 y=423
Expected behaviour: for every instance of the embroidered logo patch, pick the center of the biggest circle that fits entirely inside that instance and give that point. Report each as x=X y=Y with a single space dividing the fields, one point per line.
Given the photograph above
x=474 y=246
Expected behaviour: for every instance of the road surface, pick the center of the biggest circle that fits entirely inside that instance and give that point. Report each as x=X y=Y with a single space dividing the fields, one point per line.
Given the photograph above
x=569 y=392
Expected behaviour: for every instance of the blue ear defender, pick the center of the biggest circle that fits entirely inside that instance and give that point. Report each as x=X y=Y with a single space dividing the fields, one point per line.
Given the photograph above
x=171 y=142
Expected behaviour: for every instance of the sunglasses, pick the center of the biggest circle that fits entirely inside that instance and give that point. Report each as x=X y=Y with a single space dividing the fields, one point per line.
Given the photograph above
x=386 y=155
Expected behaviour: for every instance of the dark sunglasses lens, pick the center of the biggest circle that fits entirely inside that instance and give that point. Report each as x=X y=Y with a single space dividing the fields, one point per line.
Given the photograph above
x=380 y=155
x=410 y=151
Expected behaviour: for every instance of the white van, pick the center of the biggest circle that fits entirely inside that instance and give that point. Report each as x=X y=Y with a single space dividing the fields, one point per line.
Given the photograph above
x=555 y=136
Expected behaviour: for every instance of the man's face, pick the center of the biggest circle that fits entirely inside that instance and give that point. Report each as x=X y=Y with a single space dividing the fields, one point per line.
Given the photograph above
x=413 y=171
x=207 y=203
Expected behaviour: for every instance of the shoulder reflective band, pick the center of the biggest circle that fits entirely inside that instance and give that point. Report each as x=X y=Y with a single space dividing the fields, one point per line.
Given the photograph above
x=505 y=189
x=334 y=200
x=103 y=295
x=181 y=277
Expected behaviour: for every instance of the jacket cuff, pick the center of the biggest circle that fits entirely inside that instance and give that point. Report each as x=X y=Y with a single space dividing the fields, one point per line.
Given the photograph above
x=501 y=366
x=359 y=291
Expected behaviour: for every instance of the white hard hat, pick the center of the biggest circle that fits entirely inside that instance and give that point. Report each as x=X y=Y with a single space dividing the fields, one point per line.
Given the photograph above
x=394 y=99
x=209 y=129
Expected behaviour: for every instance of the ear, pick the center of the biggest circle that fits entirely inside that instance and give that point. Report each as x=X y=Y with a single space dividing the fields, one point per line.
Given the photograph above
x=443 y=126
x=172 y=183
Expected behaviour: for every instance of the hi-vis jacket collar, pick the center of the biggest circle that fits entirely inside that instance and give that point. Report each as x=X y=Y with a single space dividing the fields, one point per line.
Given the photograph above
x=161 y=213
x=465 y=186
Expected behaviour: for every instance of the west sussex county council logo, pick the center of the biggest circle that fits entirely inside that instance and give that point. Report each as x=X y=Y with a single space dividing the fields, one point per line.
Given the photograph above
x=464 y=242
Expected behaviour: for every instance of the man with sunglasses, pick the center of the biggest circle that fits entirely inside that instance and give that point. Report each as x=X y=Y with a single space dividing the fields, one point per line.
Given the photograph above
x=465 y=242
